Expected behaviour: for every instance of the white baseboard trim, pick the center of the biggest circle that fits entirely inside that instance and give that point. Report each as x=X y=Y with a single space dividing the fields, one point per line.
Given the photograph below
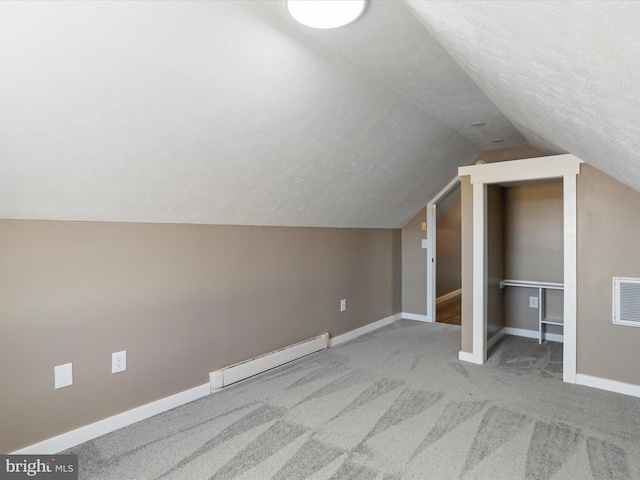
x=89 y=432
x=94 y=430
x=610 y=385
x=497 y=336
x=469 y=357
x=345 y=337
x=449 y=295
x=466 y=357
x=521 y=332
x=415 y=316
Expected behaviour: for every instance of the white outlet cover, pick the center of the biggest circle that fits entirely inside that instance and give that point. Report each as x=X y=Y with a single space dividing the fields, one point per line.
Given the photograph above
x=343 y=304
x=533 y=302
x=63 y=375
x=118 y=361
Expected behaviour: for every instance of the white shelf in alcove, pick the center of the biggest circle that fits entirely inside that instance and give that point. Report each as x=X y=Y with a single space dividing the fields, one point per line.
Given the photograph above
x=541 y=287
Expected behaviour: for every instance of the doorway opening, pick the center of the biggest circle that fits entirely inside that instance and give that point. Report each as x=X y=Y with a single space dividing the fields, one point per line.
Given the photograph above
x=444 y=287
x=448 y=264
x=525 y=268
x=563 y=167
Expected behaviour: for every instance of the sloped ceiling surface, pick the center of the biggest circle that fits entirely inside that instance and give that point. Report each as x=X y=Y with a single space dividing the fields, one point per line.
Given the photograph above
x=228 y=112
x=567 y=74
x=390 y=44
x=225 y=112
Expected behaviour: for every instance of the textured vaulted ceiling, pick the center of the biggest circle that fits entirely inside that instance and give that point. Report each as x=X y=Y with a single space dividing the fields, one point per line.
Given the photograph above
x=566 y=73
x=228 y=112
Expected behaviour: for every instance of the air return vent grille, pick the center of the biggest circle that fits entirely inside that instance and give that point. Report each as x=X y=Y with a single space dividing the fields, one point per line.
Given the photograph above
x=626 y=301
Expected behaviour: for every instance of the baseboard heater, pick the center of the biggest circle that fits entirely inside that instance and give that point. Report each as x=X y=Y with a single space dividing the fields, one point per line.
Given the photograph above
x=248 y=368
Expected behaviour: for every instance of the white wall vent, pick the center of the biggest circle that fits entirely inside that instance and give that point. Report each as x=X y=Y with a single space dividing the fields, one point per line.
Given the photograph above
x=626 y=301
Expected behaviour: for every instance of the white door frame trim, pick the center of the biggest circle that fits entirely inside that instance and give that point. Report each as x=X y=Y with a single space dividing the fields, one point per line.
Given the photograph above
x=479 y=272
x=431 y=248
x=566 y=167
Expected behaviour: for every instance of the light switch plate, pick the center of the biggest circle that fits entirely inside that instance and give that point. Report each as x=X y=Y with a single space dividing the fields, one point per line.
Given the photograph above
x=343 y=305
x=424 y=243
x=63 y=375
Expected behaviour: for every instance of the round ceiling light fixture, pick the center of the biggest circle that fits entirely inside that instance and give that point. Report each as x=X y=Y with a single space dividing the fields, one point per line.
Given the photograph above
x=325 y=13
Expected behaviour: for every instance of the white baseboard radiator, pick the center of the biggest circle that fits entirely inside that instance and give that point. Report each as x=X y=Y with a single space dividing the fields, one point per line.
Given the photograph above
x=248 y=368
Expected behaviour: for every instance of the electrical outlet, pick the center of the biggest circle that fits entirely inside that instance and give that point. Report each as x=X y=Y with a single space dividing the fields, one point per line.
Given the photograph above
x=118 y=361
x=343 y=304
x=424 y=226
x=63 y=375
x=533 y=302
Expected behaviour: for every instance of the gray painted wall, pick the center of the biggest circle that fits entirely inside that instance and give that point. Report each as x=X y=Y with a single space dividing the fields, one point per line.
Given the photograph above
x=448 y=238
x=534 y=235
x=608 y=246
x=495 y=259
x=414 y=266
x=511 y=153
x=414 y=257
x=182 y=300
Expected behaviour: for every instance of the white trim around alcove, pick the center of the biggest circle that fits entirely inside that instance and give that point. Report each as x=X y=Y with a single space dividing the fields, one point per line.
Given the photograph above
x=565 y=167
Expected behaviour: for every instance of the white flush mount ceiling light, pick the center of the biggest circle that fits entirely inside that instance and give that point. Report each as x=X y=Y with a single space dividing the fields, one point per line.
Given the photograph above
x=325 y=13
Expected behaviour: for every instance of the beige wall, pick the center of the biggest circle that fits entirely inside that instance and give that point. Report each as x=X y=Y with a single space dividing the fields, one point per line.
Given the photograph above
x=182 y=300
x=608 y=246
x=495 y=259
x=509 y=153
x=414 y=266
x=449 y=255
x=534 y=234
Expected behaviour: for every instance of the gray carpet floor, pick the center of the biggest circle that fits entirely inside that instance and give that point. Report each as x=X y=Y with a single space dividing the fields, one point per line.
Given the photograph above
x=394 y=404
